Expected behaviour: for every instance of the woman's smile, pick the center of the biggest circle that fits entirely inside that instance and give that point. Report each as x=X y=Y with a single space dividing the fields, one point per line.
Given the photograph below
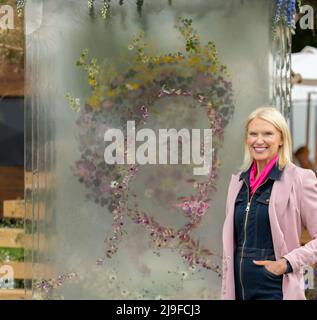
x=260 y=149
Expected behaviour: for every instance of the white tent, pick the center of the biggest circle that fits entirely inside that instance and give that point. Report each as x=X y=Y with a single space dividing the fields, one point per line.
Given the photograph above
x=305 y=64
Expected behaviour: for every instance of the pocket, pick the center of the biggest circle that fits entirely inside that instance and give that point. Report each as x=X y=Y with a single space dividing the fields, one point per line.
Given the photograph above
x=264 y=198
x=271 y=275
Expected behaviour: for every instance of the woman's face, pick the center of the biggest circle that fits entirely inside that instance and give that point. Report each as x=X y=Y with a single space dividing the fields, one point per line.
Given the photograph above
x=263 y=140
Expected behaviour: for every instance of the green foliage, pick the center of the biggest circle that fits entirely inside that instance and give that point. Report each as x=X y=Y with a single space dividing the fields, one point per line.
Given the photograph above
x=11 y=223
x=11 y=254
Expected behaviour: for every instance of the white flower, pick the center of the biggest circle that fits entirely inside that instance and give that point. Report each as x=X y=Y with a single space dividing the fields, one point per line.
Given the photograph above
x=77 y=101
x=124 y=292
x=184 y=275
x=114 y=184
x=112 y=277
x=130 y=47
x=192 y=268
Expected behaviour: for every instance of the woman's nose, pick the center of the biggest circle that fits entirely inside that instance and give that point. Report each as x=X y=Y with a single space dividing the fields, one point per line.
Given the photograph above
x=259 y=139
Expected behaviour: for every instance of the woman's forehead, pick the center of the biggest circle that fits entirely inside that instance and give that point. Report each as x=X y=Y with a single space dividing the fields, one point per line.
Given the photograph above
x=260 y=124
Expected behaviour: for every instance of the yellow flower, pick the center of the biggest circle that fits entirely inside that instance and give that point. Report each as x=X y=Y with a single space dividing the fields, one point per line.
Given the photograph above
x=218 y=164
x=94 y=102
x=112 y=93
x=168 y=59
x=92 y=82
x=202 y=68
x=156 y=60
x=213 y=68
x=133 y=86
x=179 y=58
x=193 y=60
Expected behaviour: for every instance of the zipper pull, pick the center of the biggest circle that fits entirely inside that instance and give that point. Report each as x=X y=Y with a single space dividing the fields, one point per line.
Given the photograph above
x=248 y=207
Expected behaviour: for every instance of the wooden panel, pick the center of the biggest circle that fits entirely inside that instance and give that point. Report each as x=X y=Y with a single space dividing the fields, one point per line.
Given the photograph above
x=11 y=184
x=15 y=294
x=11 y=81
x=11 y=238
x=15 y=238
x=43 y=181
x=22 y=270
x=13 y=209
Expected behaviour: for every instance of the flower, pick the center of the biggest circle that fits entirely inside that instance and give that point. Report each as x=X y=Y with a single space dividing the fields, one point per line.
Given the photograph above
x=184 y=275
x=192 y=268
x=112 y=277
x=198 y=208
x=124 y=292
x=94 y=102
x=114 y=184
x=111 y=93
x=92 y=82
x=107 y=105
x=85 y=120
x=132 y=86
x=101 y=130
x=85 y=168
x=194 y=60
x=168 y=59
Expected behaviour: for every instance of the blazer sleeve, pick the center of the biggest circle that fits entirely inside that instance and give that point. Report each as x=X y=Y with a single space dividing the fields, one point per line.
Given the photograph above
x=307 y=254
x=228 y=195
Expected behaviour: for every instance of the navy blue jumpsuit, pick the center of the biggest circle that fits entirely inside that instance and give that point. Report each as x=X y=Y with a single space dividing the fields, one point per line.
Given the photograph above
x=253 y=241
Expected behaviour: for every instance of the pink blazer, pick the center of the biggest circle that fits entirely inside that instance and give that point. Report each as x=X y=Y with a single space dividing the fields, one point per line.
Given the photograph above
x=292 y=206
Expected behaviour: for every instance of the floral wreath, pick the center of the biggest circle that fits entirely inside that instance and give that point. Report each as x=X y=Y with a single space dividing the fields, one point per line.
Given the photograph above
x=145 y=80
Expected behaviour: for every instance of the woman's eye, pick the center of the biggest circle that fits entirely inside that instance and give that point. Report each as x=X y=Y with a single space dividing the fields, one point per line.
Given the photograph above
x=253 y=134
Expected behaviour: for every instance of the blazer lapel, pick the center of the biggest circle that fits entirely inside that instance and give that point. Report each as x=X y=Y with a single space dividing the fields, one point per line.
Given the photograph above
x=279 y=198
x=234 y=188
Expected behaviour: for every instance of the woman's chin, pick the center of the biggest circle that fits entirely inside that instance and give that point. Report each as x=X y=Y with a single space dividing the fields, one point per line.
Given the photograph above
x=259 y=157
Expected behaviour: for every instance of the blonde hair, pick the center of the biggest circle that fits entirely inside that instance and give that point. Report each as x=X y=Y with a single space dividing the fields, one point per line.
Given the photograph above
x=274 y=117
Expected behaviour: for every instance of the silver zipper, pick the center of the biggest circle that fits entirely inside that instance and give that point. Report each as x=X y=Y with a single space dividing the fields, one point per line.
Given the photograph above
x=247 y=209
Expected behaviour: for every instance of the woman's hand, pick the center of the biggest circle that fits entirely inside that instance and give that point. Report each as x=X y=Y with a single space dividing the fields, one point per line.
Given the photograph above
x=276 y=267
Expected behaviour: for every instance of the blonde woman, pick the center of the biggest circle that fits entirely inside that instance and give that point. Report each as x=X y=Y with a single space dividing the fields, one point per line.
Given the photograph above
x=269 y=202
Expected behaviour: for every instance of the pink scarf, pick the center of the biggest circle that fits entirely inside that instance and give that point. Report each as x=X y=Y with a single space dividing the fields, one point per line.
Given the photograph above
x=255 y=183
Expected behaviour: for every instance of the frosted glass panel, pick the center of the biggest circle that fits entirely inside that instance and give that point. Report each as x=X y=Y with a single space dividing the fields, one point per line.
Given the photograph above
x=123 y=208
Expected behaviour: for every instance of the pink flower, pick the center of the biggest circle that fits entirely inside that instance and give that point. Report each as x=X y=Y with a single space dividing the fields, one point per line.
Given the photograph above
x=198 y=208
x=85 y=168
x=107 y=105
x=202 y=208
x=101 y=130
x=85 y=121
